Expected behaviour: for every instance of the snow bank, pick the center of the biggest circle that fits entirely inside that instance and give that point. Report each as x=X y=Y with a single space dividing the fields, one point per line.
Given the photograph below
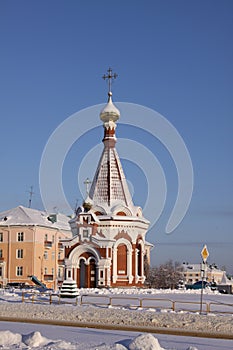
x=7 y=338
x=11 y=341
x=145 y=342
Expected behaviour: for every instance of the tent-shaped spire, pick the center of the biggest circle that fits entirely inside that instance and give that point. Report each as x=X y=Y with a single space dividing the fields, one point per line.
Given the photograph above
x=109 y=186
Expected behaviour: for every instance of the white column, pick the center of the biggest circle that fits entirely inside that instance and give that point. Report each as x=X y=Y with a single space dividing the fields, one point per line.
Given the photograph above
x=114 y=277
x=142 y=263
x=129 y=266
x=136 y=265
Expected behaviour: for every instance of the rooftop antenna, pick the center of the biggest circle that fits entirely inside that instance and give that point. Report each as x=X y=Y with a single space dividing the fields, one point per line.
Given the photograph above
x=30 y=196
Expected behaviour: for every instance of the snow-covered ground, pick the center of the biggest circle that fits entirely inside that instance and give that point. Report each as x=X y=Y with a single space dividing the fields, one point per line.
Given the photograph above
x=28 y=335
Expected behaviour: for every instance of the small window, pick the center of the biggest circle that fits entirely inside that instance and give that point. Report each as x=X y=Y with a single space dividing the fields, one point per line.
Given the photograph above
x=1 y=271
x=19 y=253
x=45 y=270
x=1 y=253
x=59 y=256
x=46 y=237
x=19 y=271
x=20 y=237
x=46 y=255
x=52 y=271
x=1 y=237
x=85 y=233
x=59 y=272
x=53 y=239
x=53 y=255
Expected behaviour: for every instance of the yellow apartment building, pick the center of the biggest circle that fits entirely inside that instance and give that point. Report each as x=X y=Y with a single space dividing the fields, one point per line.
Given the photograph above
x=30 y=248
x=192 y=273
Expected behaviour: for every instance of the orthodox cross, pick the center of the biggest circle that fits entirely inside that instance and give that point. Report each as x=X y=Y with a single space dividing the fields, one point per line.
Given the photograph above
x=110 y=76
x=87 y=182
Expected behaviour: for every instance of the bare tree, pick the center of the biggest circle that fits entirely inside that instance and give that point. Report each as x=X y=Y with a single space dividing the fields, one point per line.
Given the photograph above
x=165 y=276
x=146 y=266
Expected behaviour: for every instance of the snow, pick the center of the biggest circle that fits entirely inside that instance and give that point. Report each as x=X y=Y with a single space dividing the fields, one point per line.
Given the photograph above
x=27 y=216
x=15 y=335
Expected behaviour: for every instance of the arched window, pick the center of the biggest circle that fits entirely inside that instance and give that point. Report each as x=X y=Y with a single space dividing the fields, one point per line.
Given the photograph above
x=121 y=213
x=121 y=259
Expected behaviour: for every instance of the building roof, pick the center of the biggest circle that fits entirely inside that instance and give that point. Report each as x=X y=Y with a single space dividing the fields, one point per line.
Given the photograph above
x=21 y=216
x=109 y=184
x=197 y=267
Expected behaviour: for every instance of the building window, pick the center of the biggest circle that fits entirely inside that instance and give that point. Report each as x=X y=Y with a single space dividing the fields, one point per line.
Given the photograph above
x=19 y=253
x=1 y=271
x=52 y=271
x=46 y=237
x=45 y=270
x=53 y=239
x=46 y=255
x=59 y=256
x=85 y=233
x=20 y=237
x=1 y=255
x=1 y=237
x=53 y=255
x=19 y=271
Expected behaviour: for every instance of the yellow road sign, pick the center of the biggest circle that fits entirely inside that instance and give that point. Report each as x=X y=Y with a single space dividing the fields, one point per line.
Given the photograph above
x=204 y=253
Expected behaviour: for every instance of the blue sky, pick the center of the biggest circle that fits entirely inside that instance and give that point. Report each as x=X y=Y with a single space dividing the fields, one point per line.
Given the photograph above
x=174 y=57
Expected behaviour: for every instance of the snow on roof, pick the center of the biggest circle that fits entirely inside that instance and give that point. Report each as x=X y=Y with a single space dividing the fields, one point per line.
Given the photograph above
x=26 y=216
x=197 y=267
x=225 y=280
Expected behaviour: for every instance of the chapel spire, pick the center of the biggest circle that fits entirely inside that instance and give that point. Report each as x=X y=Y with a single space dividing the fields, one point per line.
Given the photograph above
x=109 y=185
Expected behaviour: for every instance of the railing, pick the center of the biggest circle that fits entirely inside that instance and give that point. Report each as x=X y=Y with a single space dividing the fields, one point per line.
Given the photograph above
x=131 y=302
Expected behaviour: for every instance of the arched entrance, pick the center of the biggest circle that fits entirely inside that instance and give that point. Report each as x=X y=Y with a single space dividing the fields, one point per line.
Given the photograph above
x=84 y=260
x=87 y=272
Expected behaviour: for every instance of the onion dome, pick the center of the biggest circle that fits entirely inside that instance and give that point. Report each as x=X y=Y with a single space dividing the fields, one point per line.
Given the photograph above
x=109 y=112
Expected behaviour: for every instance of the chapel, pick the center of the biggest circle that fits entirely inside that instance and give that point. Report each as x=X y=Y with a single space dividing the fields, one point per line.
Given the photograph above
x=108 y=247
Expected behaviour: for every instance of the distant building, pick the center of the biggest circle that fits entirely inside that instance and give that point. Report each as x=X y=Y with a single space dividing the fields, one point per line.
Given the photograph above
x=29 y=246
x=109 y=244
x=192 y=273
